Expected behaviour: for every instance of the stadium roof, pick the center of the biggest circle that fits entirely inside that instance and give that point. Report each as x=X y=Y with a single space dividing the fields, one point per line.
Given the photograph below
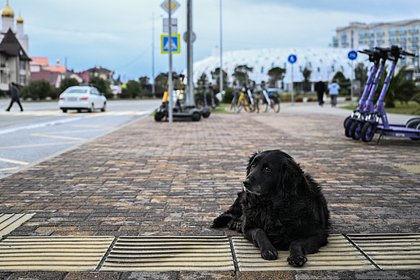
x=323 y=62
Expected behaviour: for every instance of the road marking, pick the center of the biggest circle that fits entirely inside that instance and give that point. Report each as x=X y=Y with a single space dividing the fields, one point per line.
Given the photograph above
x=8 y=169
x=14 y=161
x=57 y=136
x=10 y=130
x=35 y=145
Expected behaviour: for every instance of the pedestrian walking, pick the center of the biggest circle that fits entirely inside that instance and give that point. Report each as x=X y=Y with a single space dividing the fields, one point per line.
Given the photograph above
x=320 y=89
x=14 y=95
x=333 y=89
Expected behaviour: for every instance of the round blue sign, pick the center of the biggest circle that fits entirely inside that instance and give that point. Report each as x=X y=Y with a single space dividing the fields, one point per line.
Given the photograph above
x=292 y=58
x=352 y=55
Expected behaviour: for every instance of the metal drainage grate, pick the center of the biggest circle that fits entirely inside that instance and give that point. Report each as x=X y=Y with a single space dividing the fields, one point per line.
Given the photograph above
x=339 y=254
x=390 y=251
x=10 y=222
x=52 y=253
x=170 y=253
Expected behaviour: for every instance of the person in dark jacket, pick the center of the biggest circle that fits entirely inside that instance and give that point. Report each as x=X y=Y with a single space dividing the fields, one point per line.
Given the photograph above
x=320 y=89
x=14 y=94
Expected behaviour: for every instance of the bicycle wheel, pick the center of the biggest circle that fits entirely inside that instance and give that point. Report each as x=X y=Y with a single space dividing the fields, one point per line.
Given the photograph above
x=368 y=131
x=275 y=104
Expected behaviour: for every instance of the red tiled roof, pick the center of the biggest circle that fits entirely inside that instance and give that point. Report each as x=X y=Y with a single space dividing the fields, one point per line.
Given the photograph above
x=43 y=61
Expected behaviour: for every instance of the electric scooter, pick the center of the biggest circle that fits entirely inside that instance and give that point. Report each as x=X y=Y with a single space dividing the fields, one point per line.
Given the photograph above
x=374 y=56
x=377 y=122
x=355 y=129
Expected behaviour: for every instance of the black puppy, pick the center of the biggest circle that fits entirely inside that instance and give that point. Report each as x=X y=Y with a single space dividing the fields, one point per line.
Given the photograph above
x=280 y=207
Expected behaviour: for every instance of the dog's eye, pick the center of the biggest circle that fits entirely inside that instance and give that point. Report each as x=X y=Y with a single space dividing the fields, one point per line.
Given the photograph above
x=267 y=169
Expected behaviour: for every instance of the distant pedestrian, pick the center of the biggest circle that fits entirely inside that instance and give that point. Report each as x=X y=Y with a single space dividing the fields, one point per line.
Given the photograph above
x=320 y=89
x=14 y=94
x=333 y=88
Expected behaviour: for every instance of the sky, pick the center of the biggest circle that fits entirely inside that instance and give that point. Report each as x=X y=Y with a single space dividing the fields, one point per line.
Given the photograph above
x=118 y=34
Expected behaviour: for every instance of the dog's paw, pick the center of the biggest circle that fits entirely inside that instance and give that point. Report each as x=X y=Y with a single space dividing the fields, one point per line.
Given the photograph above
x=297 y=260
x=269 y=254
x=235 y=225
x=221 y=221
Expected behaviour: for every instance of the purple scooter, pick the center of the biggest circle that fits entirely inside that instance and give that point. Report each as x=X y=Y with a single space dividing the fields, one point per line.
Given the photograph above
x=377 y=122
x=367 y=107
x=357 y=115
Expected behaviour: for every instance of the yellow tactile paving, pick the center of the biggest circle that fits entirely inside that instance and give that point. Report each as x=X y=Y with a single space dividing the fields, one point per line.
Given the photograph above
x=390 y=251
x=339 y=254
x=53 y=253
x=170 y=253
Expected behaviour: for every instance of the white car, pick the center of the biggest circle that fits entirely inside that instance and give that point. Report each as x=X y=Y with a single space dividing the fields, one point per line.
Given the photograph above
x=82 y=98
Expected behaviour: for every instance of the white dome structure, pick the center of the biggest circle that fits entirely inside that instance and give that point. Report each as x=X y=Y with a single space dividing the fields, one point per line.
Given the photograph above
x=323 y=62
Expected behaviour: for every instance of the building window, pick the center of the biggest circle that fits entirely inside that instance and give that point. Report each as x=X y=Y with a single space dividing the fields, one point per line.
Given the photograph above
x=22 y=80
x=22 y=65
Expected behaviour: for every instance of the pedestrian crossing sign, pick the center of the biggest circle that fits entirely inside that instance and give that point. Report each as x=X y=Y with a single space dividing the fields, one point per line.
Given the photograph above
x=176 y=43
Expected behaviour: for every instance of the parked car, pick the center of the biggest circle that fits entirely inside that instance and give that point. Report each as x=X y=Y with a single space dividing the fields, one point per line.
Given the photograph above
x=82 y=98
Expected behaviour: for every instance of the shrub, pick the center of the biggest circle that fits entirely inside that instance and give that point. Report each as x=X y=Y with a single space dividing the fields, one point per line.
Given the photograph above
x=38 y=90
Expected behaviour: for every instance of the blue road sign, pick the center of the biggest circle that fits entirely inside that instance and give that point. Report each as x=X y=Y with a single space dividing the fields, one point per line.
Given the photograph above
x=292 y=58
x=176 y=43
x=352 y=55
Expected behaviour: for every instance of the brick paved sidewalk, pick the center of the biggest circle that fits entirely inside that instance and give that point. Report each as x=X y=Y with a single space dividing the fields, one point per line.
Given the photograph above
x=159 y=179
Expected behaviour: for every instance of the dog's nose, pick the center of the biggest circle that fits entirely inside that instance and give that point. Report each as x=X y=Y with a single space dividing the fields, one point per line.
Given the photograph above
x=247 y=183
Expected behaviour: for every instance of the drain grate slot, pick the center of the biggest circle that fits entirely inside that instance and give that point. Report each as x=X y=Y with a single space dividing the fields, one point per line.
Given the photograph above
x=339 y=254
x=52 y=253
x=167 y=253
x=390 y=251
x=10 y=222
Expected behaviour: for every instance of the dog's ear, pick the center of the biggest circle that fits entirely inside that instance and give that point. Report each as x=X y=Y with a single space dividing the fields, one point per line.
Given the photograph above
x=292 y=180
x=251 y=159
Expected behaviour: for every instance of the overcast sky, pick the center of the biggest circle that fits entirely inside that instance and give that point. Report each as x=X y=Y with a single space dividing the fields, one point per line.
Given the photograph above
x=118 y=34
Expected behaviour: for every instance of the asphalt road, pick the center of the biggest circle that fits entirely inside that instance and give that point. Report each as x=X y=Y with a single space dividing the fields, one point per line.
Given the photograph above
x=42 y=130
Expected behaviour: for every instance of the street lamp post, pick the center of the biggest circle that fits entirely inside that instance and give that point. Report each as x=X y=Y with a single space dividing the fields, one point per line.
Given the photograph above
x=221 y=49
x=170 y=86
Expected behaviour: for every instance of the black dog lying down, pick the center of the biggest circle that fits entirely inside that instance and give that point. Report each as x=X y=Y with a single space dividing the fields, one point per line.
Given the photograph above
x=280 y=207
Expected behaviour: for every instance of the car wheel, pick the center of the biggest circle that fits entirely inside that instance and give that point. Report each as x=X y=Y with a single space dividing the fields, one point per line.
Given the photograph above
x=104 y=107
x=79 y=110
x=64 y=110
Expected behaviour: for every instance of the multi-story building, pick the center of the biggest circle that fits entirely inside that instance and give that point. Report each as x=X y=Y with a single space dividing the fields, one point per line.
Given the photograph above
x=358 y=35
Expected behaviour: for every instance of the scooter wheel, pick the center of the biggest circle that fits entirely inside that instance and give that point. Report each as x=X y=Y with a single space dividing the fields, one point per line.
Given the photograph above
x=356 y=130
x=414 y=123
x=196 y=116
x=346 y=120
x=347 y=127
x=159 y=116
x=368 y=131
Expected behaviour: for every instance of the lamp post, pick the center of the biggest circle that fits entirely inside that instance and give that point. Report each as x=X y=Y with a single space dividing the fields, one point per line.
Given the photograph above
x=221 y=49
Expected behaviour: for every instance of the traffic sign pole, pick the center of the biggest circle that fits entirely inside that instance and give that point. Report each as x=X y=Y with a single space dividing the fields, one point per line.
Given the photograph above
x=352 y=55
x=170 y=85
x=292 y=59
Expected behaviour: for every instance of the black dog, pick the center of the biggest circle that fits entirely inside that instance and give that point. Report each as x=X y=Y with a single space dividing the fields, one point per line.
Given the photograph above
x=280 y=207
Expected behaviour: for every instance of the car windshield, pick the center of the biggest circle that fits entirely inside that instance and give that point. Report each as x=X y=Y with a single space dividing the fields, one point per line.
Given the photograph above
x=77 y=90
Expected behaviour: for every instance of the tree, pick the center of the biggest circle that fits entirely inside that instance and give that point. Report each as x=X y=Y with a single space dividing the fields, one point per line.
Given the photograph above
x=215 y=75
x=132 y=89
x=102 y=85
x=306 y=73
x=68 y=82
x=400 y=88
x=241 y=74
x=276 y=74
x=344 y=83
x=38 y=90
x=361 y=73
x=145 y=86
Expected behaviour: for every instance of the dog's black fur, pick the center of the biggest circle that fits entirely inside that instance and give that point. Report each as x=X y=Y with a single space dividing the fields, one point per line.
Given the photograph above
x=280 y=207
